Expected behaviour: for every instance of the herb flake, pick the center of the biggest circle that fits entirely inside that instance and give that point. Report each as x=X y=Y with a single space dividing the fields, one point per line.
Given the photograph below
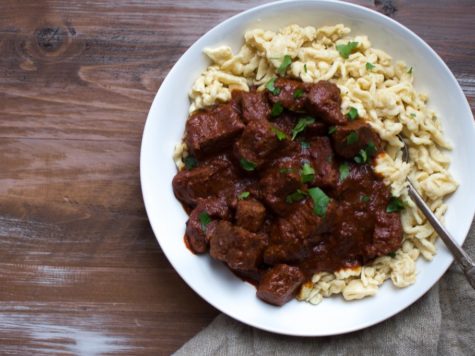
x=364 y=198
x=298 y=93
x=277 y=109
x=301 y=125
x=307 y=173
x=395 y=205
x=369 y=66
x=352 y=114
x=244 y=195
x=286 y=61
x=279 y=134
x=190 y=162
x=247 y=165
x=320 y=201
x=205 y=219
x=352 y=138
x=332 y=130
x=410 y=71
x=346 y=49
x=344 y=171
x=270 y=86
x=296 y=196
x=305 y=145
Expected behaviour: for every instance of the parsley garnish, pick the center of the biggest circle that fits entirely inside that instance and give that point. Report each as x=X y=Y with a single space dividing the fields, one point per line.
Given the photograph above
x=298 y=93
x=352 y=114
x=392 y=254
x=352 y=138
x=307 y=173
x=320 y=201
x=364 y=198
x=247 y=165
x=369 y=66
x=243 y=195
x=280 y=134
x=331 y=130
x=305 y=67
x=205 y=219
x=270 y=85
x=368 y=152
x=346 y=50
x=301 y=125
x=277 y=109
x=296 y=196
x=410 y=70
x=344 y=171
x=284 y=65
x=190 y=162
x=413 y=115
x=395 y=205
x=305 y=145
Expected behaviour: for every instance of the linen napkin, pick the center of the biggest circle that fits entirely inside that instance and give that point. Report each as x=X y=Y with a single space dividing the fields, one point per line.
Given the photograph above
x=440 y=323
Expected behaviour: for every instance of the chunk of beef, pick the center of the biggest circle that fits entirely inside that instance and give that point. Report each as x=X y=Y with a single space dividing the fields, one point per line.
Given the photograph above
x=316 y=129
x=292 y=237
x=213 y=177
x=256 y=142
x=250 y=214
x=255 y=106
x=276 y=184
x=210 y=131
x=320 y=157
x=215 y=208
x=323 y=100
x=387 y=236
x=279 y=284
x=286 y=122
x=239 y=248
x=348 y=140
x=288 y=96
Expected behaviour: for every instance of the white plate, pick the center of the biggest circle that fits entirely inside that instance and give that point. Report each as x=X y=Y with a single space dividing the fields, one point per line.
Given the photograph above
x=212 y=280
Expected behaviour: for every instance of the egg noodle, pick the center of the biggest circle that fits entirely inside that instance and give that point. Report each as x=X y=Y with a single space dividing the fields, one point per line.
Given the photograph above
x=381 y=90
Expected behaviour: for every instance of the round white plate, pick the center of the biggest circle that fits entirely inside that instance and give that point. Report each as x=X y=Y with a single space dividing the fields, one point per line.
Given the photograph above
x=212 y=280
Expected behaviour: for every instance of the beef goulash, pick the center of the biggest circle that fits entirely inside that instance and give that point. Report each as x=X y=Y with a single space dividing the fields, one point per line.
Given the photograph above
x=279 y=186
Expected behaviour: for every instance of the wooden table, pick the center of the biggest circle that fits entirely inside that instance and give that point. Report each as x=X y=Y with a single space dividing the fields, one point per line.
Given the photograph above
x=80 y=269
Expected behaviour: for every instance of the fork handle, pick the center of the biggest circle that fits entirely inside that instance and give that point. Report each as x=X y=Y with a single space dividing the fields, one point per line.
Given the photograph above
x=462 y=258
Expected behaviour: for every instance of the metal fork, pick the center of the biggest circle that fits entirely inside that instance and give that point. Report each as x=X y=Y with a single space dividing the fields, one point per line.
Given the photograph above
x=462 y=258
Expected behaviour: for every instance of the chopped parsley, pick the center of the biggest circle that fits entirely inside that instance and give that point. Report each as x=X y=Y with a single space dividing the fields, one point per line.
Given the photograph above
x=369 y=66
x=410 y=70
x=395 y=205
x=277 y=109
x=307 y=173
x=286 y=61
x=392 y=254
x=344 y=171
x=305 y=145
x=413 y=115
x=368 y=152
x=205 y=219
x=331 y=130
x=247 y=165
x=352 y=114
x=301 y=125
x=244 y=195
x=270 y=85
x=190 y=162
x=305 y=67
x=347 y=49
x=298 y=93
x=320 y=201
x=364 y=198
x=280 y=134
x=296 y=196
x=352 y=138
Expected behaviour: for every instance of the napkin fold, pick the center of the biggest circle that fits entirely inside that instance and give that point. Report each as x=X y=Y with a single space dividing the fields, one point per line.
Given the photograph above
x=440 y=323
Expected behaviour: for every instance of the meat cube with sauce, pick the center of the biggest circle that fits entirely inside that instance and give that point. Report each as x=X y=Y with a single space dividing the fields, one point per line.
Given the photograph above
x=214 y=208
x=255 y=106
x=279 y=284
x=348 y=140
x=239 y=248
x=210 y=131
x=276 y=185
x=250 y=214
x=320 y=156
x=387 y=235
x=213 y=177
x=323 y=101
x=256 y=142
x=292 y=94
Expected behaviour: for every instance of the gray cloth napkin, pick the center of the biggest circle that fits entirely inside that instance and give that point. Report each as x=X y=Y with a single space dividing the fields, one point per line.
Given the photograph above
x=440 y=323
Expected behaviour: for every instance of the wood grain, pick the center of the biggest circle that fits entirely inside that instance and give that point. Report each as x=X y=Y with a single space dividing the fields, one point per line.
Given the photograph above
x=80 y=269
